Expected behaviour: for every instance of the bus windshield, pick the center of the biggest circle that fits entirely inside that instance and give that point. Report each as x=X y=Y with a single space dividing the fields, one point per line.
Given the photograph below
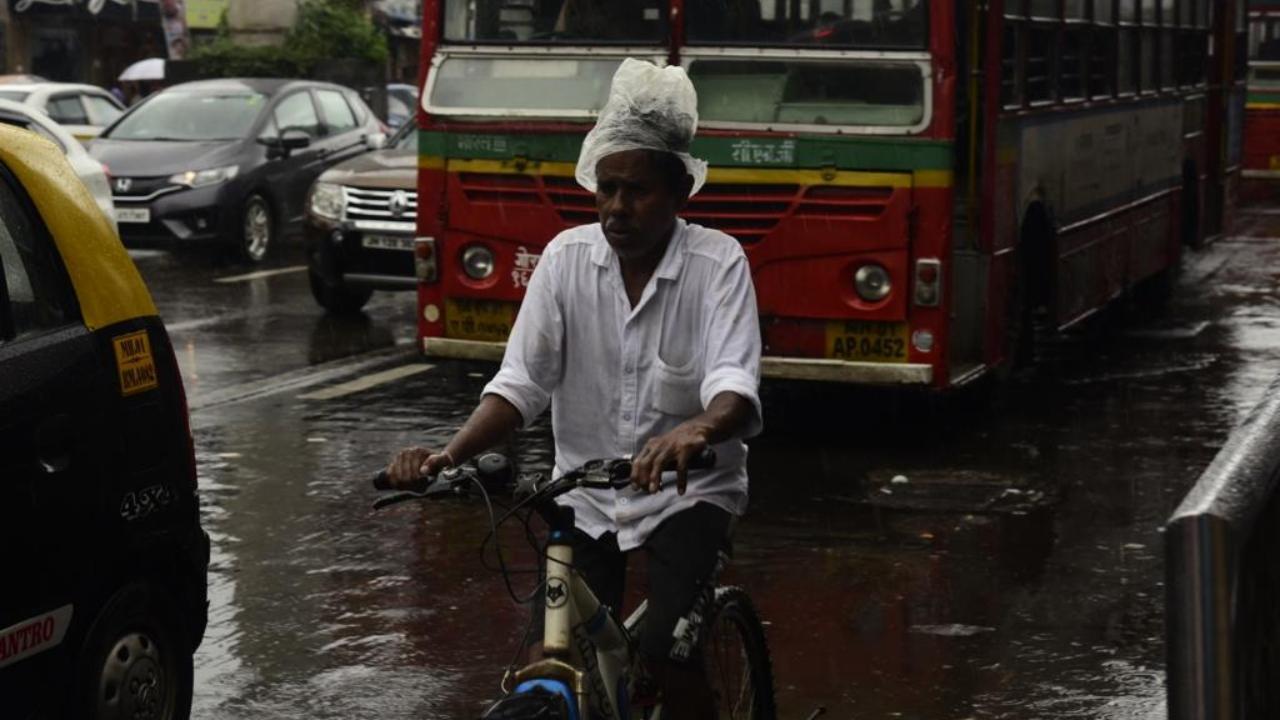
x=639 y=22
x=566 y=87
x=897 y=24
x=795 y=92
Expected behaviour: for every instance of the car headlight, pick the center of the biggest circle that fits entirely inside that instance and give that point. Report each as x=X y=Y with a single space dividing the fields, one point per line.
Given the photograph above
x=202 y=178
x=326 y=201
x=477 y=262
x=872 y=283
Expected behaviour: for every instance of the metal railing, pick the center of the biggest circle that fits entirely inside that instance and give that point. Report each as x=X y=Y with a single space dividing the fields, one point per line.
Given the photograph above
x=1222 y=594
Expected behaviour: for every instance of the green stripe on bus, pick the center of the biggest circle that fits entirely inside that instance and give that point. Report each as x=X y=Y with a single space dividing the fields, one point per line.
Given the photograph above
x=775 y=152
x=1269 y=98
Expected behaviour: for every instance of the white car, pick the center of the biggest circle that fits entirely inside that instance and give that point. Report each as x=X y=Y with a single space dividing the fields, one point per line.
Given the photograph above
x=84 y=110
x=90 y=171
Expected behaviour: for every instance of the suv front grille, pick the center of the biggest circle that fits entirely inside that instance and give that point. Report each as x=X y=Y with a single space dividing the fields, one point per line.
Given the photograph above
x=381 y=204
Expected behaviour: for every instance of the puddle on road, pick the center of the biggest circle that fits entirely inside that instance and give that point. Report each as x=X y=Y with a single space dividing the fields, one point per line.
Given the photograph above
x=1016 y=573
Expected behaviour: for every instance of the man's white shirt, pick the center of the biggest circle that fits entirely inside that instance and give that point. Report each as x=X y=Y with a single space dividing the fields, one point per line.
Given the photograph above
x=616 y=376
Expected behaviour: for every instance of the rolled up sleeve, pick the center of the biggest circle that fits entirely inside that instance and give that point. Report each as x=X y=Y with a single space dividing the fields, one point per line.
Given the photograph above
x=733 y=343
x=532 y=364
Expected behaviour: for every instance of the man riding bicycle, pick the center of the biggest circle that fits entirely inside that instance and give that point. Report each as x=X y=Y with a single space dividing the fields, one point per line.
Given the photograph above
x=641 y=332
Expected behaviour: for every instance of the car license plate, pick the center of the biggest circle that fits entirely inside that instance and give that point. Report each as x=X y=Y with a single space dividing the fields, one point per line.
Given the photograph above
x=865 y=341
x=479 y=319
x=133 y=215
x=388 y=242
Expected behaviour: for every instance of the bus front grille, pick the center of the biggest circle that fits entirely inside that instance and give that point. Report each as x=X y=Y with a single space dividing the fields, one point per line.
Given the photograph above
x=746 y=211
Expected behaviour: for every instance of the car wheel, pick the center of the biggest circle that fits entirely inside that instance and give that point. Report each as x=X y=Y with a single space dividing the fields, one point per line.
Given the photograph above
x=255 y=229
x=135 y=663
x=338 y=298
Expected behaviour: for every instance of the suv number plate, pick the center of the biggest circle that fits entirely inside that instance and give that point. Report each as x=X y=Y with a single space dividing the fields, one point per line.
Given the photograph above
x=388 y=242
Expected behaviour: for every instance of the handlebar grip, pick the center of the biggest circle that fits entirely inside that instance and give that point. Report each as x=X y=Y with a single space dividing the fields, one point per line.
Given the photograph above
x=704 y=460
x=382 y=481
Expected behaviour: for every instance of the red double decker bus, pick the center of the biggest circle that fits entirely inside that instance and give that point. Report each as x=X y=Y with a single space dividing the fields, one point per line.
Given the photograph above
x=1261 y=172
x=910 y=179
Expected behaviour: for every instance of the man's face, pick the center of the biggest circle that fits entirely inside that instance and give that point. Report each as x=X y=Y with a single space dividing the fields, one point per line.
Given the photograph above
x=636 y=202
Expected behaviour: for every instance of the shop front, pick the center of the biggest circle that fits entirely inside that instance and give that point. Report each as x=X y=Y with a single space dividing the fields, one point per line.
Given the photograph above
x=78 y=40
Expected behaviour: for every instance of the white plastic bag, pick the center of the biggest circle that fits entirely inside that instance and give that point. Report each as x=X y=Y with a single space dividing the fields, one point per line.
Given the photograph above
x=649 y=108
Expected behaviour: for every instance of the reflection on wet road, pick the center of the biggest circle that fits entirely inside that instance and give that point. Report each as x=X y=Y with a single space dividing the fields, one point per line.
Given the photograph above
x=912 y=561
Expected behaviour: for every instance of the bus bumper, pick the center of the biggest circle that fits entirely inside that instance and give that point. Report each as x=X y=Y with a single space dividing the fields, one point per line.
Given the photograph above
x=841 y=371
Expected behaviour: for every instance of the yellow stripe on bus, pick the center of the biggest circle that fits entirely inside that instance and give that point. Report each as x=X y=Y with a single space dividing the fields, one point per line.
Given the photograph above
x=745 y=176
x=1262 y=106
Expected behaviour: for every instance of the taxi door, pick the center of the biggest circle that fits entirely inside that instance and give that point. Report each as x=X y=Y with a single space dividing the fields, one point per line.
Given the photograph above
x=51 y=401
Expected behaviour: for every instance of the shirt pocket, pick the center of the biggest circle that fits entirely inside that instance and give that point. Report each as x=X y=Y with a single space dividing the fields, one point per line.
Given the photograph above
x=677 y=390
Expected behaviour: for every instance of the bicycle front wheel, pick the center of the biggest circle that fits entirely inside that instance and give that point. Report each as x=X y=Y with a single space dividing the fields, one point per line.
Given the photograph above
x=737 y=658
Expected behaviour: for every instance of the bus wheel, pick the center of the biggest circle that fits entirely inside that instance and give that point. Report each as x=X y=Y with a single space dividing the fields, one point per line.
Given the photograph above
x=135 y=662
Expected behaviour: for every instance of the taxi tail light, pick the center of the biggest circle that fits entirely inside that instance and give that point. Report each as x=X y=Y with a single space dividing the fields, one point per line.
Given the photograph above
x=424 y=259
x=928 y=282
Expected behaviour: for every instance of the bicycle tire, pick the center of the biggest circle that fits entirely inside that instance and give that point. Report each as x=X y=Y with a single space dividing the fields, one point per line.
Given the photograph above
x=733 y=620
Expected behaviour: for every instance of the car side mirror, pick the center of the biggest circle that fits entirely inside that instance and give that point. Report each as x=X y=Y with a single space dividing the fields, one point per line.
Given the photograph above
x=294 y=139
x=375 y=140
x=287 y=142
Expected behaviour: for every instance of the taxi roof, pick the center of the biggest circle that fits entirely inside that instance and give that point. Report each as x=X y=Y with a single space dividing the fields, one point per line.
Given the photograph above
x=106 y=282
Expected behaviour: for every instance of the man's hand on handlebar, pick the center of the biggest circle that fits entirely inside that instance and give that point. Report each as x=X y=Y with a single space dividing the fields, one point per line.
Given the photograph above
x=408 y=468
x=685 y=442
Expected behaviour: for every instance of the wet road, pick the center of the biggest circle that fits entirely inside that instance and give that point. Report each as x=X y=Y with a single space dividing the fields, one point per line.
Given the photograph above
x=911 y=562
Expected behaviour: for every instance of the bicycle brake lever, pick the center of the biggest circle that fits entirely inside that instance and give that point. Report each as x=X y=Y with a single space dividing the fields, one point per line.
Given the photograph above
x=396 y=499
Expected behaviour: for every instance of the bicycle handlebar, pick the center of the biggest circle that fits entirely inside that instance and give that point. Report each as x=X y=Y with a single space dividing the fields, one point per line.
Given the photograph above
x=603 y=474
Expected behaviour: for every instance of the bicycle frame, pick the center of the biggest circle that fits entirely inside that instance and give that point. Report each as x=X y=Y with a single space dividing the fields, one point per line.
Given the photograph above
x=584 y=648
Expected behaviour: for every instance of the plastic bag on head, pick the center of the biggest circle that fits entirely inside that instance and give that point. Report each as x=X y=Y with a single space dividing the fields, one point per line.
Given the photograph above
x=649 y=108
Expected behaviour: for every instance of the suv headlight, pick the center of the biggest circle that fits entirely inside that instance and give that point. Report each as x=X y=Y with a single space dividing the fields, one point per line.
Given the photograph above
x=326 y=201
x=202 y=178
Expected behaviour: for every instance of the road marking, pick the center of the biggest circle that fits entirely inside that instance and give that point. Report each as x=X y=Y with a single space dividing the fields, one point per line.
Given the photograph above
x=300 y=378
x=369 y=381
x=1186 y=332
x=261 y=274
x=216 y=320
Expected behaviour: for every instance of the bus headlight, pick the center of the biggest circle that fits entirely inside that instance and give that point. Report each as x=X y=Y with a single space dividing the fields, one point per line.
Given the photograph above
x=477 y=262
x=872 y=283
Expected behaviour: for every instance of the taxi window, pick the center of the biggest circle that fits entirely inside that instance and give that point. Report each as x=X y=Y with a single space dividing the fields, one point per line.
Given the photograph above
x=36 y=294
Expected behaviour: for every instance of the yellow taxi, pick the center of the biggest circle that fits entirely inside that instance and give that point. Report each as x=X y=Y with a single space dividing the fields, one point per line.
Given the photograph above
x=102 y=557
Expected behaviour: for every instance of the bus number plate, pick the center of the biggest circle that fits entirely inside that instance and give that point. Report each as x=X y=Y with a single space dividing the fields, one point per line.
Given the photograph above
x=479 y=319
x=863 y=341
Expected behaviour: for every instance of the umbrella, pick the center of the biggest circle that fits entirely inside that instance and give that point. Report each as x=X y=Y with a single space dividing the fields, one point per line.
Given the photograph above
x=149 y=69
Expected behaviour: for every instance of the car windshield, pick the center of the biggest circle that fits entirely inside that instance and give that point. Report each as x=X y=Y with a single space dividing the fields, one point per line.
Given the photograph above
x=556 y=21
x=14 y=95
x=192 y=116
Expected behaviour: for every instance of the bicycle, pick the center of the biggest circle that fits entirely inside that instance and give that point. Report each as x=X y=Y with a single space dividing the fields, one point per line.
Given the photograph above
x=589 y=667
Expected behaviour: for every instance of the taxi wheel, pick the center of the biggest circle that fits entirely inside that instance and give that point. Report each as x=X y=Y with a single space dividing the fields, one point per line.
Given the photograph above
x=337 y=299
x=256 y=229
x=135 y=663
